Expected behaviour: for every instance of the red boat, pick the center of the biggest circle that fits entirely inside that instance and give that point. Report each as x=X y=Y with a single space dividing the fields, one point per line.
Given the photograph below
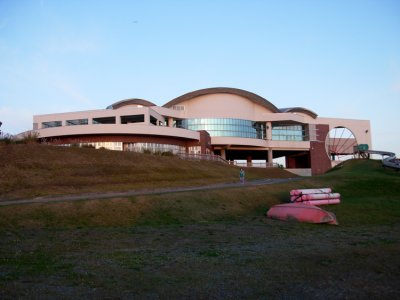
x=301 y=213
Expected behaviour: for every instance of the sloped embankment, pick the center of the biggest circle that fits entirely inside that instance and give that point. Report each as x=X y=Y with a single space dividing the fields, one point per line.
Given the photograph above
x=39 y=170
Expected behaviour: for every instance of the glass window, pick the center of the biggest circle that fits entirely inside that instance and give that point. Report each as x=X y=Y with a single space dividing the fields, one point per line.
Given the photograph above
x=51 y=124
x=228 y=127
x=282 y=132
x=152 y=120
x=154 y=148
x=136 y=119
x=104 y=120
x=77 y=122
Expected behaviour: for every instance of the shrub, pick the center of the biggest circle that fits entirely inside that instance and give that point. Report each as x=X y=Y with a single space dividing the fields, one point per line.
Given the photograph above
x=88 y=146
x=167 y=153
x=147 y=151
x=30 y=137
x=6 y=139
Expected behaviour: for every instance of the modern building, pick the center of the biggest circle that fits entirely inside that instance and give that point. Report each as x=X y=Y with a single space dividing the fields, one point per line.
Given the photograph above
x=235 y=124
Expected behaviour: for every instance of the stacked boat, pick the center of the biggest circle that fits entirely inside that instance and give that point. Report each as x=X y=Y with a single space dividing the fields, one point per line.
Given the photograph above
x=304 y=207
x=322 y=196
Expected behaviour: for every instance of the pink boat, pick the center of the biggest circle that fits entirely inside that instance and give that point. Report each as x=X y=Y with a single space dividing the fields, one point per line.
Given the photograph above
x=320 y=196
x=321 y=202
x=310 y=191
x=306 y=197
x=301 y=213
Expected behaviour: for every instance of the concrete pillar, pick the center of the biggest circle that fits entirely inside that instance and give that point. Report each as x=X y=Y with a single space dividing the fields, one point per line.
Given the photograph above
x=269 y=130
x=147 y=118
x=270 y=158
x=249 y=161
x=170 y=121
x=223 y=153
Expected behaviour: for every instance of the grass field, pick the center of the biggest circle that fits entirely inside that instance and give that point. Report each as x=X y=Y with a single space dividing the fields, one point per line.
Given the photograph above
x=206 y=244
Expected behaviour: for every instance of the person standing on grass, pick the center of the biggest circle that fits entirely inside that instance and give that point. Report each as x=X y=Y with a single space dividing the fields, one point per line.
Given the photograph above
x=241 y=175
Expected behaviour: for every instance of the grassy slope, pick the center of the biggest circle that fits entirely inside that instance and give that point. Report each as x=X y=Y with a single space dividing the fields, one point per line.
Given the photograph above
x=370 y=195
x=38 y=170
x=211 y=244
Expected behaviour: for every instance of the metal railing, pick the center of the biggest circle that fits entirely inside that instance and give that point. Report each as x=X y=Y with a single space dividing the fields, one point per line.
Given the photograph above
x=207 y=157
x=255 y=165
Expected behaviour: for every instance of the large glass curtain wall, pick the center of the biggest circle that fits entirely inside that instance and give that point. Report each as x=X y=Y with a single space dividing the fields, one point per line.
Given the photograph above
x=282 y=132
x=226 y=127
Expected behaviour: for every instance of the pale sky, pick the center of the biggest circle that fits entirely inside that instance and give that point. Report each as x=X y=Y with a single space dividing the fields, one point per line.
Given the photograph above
x=338 y=58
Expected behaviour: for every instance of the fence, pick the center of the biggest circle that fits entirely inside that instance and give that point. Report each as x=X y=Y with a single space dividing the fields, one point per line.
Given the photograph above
x=208 y=157
x=255 y=164
x=217 y=158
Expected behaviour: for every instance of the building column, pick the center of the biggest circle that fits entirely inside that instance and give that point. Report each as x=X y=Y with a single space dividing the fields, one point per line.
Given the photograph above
x=170 y=121
x=269 y=130
x=270 y=158
x=249 y=161
x=223 y=154
x=147 y=118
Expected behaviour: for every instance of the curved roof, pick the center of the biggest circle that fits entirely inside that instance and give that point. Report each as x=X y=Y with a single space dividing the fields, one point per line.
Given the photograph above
x=299 y=110
x=251 y=96
x=133 y=101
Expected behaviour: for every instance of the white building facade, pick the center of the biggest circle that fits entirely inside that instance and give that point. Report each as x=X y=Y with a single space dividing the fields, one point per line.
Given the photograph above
x=232 y=123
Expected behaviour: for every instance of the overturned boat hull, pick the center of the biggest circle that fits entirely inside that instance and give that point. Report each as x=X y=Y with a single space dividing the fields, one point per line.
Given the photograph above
x=301 y=213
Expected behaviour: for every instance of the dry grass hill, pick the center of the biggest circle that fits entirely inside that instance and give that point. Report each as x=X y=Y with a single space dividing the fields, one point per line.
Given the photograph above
x=209 y=244
x=39 y=170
